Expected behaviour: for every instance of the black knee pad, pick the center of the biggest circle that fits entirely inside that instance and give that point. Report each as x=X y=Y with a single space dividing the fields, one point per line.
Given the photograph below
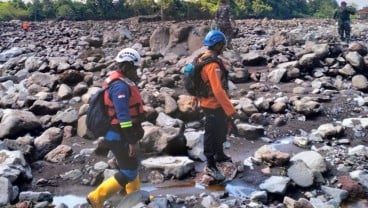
x=121 y=179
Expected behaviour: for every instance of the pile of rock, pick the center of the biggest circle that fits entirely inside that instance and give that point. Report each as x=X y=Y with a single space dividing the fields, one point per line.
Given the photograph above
x=49 y=73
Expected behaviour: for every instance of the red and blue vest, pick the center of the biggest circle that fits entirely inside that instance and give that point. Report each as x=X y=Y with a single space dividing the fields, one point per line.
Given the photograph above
x=135 y=100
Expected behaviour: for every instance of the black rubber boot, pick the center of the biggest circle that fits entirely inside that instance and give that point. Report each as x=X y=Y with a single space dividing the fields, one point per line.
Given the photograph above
x=213 y=171
x=222 y=157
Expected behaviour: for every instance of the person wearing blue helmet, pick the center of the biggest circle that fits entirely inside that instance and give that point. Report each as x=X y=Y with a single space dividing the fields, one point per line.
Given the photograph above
x=213 y=37
x=216 y=105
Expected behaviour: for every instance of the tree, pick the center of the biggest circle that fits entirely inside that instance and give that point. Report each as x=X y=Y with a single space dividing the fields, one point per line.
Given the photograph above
x=260 y=8
x=144 y=7
x=92 y=8
x=105 y=9
x=81 y=11
x=35 y=11
x=299 y=8
x=64 y=12
x=48 y=9
x=9 y=12
x=322 y=8
x=242 y=8
x=19 y=4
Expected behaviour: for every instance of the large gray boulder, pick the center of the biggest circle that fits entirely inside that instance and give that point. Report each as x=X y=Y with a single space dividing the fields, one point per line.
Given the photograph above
x=17 y=122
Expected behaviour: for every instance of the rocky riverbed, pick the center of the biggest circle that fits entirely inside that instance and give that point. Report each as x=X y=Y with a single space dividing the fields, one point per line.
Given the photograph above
x=299 y=91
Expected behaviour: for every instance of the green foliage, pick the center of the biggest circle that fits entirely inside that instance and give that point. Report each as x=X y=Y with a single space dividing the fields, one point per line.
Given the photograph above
x=210 y=6
x=19 y=4
x=35 y=11
x=322 y=8
x=48 y=9
x=299 y=8
x=195 y=11
x=144 y=7
x=281 y=9
x=8 y=12
x=170 y=9
x=80 y=11
x=242 y=8
x=64 y=12
x=175 y=10
x=260 y=8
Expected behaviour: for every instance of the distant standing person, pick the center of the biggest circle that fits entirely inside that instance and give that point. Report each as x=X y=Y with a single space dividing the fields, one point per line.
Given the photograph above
x=342 y=15
x=25 y=26
x=225 y=21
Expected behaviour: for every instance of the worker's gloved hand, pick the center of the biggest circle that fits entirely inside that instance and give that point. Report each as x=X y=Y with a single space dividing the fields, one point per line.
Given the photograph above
x=236 y=115
x=138 y=131
x=133 y=149
x=132 y=134
x=128 y=134
x=232 y=128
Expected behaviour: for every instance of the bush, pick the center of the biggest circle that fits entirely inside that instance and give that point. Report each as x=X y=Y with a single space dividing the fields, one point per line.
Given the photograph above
x=64 y=11
x=9 y=12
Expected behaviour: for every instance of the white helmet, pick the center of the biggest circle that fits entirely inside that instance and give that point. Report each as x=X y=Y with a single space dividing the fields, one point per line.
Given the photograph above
x=129 y=55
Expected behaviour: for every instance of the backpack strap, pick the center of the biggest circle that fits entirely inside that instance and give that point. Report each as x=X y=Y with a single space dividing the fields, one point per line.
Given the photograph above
x=212 y=58
x=122 y=79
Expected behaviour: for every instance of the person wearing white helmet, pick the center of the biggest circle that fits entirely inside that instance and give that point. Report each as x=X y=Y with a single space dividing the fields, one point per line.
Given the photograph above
x=129 y=55
x=125 y=107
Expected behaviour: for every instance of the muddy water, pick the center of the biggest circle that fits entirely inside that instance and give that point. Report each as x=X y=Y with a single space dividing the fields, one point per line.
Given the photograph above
x=361 y=203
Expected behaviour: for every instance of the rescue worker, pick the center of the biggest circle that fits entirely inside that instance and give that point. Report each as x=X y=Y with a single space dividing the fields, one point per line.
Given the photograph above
x=125 y=106
x=342 y=16
x=216 y=106
x=25 y=26
x=225 y=21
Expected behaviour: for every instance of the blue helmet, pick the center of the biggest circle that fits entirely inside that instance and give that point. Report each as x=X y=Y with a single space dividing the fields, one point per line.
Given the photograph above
x=213 y=37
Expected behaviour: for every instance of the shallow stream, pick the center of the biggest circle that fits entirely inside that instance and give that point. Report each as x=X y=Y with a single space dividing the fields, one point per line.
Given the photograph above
x=237 y=188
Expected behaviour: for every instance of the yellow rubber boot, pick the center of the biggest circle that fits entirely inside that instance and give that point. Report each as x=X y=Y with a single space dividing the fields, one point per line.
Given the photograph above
x=135 y=185
x=104 y=191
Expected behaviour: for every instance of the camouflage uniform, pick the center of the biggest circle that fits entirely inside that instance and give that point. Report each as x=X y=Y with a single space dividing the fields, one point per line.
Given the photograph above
x=342 y=15
x=223 y=20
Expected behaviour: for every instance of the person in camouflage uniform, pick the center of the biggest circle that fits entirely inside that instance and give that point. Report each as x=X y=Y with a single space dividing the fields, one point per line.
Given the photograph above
x=224 y=21
x=342 y=15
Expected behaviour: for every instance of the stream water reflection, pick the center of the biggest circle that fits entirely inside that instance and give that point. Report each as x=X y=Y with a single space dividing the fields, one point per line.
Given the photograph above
x=69 y=200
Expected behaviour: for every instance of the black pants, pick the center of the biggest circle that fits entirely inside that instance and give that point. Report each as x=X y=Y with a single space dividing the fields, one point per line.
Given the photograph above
x=344 y=30
x=120 y=150
x=227 y=29
x=128 y=166
x=215 y=132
